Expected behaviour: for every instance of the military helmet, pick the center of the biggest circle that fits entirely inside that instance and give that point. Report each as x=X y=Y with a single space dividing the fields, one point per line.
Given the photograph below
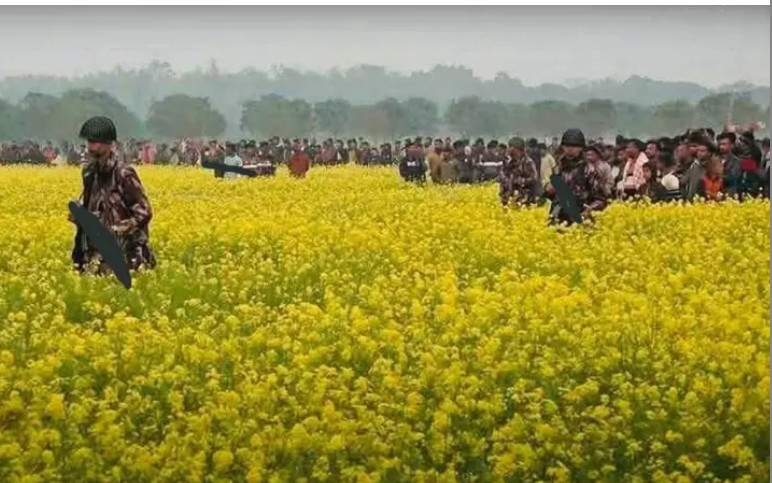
x=99 y=129
x=517 y=142
x=573 y=137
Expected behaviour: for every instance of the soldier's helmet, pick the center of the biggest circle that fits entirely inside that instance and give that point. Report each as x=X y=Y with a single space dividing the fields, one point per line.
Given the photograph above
x=99 y=129
x=573 y=137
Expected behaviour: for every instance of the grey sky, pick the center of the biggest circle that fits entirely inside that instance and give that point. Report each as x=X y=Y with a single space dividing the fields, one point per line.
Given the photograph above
x=707 y=45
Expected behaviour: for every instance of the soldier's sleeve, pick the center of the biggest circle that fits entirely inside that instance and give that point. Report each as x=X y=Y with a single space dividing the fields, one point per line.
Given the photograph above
x=598 y=197
x=533 y=176
x=136 y=200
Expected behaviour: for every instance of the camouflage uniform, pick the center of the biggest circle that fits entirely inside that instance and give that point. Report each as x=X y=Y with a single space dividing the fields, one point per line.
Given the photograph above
x=113 y=192
x=587 y=184
x=517 y=180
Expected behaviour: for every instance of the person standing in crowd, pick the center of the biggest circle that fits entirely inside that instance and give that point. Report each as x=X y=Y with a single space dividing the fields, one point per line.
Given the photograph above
x=353 y=152
x=711 y=185
x=730 y=163
x=231 y=159
x=648 y=188
x=412 y=167
x=586 y=186
x=518 y=177
x=669 y=184
x=113 y=192
x=299 y=163
x=601 y=168
x=632 y=174
x=690 y=180
x=652 y=149
x=683 y=157
x=434 y=161
x=547 y=167
x=449 y=164
x=465 y=165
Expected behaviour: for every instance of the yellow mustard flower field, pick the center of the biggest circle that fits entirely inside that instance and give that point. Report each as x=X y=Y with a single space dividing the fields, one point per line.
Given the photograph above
x=351 y=327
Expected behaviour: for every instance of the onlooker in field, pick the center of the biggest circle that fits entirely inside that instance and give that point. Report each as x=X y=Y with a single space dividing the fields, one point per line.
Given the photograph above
x=648 y=188
x=711 y=185
x=434 y=161
x=547 y=167
x=669 y=184
x=729 y=161
x=600 y=167
x=690 y=180
x=652 y=149
x=299 y=163
x=683 y=158
x=231 y=159
x=632 y=174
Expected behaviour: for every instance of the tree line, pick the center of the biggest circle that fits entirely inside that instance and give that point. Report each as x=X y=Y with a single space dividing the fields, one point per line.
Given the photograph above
x=365 y=84
x=48 y=117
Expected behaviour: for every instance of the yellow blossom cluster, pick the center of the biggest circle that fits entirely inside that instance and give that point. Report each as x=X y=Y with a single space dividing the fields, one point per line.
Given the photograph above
x=351 y=327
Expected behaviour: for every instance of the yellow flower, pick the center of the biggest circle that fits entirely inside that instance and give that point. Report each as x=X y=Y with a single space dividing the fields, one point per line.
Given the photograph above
x=355 y=328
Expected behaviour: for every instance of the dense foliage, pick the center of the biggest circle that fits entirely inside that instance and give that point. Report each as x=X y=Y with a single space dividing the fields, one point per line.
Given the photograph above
x=349 y=327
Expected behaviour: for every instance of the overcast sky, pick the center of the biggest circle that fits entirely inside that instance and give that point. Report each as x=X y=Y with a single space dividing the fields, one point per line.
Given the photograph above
x=707 y=45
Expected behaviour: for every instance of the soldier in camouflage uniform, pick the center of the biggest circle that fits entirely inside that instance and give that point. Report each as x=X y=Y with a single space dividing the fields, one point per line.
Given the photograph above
x=586 y=183
x=113 y=192
x=518 y=176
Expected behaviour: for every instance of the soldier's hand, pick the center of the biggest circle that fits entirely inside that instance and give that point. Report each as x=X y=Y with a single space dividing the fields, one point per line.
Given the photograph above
x=549 y=190
x=122 y=227
x=70 y=218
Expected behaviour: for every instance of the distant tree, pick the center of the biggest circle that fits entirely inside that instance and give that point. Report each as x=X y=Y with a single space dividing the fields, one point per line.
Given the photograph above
x=745 y=110
x=465 y=115
x=634 y=120
x=517 y=120
x=8 y=120
x=35 y=114
x=551 y=117
x=673 y=117
x=596 y=116
x=180 y=115
x=714 y=110
x=420 y=115
x=75 y=106
x=372 y=122
x=332 y=115
x=396 y=116
x=274 y=115
x=494 y=119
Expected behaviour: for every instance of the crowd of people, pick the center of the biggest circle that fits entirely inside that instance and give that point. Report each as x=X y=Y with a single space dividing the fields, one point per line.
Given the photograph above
x=699 y=162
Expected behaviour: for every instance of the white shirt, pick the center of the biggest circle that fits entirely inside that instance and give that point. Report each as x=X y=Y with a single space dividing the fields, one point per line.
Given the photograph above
x=670 y=182
x=232 y=161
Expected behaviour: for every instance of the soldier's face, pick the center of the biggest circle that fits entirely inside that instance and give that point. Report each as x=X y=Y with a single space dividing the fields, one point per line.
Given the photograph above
x=591 y=156
x=572 y=152
x=99 y=150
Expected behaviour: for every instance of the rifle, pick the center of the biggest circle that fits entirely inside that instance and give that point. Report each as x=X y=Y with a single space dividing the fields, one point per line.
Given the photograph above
x=80 y=245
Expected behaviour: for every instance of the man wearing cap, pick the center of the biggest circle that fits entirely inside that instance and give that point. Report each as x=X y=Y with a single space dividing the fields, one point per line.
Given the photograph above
x=582 y=180
x=113 y=192
x=518 y=177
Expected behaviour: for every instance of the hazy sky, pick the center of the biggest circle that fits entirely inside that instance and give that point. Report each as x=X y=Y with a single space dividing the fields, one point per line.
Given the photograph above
x=708 y=45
